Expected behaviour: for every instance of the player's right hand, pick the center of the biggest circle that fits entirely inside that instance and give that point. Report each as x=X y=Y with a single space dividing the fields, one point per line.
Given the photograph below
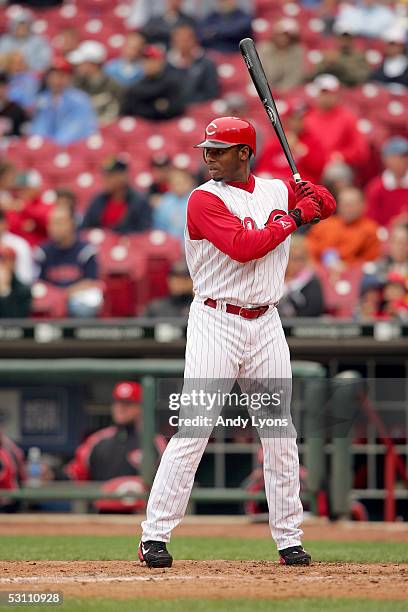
x=306 y=211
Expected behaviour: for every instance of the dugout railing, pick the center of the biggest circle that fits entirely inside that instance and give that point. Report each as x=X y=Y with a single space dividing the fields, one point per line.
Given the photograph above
x=314 y=447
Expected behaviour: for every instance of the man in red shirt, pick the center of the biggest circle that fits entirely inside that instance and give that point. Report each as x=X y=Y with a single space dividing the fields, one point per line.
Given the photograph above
x=306 y=149
x=335 y=125
x=387 y=194
x=118 y=207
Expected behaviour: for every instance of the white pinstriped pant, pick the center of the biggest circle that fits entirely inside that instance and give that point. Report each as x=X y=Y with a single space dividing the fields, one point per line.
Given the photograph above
x=228 y=347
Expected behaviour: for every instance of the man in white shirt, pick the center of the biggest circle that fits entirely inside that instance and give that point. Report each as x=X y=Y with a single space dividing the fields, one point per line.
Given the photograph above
x=24 y=259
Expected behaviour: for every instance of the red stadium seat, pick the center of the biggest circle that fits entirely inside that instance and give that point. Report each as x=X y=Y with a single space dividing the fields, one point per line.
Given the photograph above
x=48 y=301
x=85 y=186
x=62 y=169
x=340 y=290
x=124 y=271
x=161 y=251
x=94 y=150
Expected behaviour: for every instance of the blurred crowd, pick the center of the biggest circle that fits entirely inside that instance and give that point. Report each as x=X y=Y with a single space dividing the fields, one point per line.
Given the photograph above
x=101 y=103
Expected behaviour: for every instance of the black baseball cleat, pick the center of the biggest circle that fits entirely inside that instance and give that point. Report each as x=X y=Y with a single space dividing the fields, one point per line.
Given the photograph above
x=154 y=554
x=294 y=555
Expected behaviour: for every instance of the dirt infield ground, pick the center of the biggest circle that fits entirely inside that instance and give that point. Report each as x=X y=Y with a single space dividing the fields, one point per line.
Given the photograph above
x=205 y=579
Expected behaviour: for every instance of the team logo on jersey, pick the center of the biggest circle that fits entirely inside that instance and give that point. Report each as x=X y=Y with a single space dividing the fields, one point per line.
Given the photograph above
x=285 y=224
x=249 y=223
x=211 y=132
x=276 y=214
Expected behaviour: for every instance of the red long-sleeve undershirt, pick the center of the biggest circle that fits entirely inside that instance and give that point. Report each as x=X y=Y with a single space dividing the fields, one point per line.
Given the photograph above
x=209 y=218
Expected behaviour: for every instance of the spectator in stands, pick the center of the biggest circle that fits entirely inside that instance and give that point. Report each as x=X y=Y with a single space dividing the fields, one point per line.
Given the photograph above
x=27 y=214
x=127 y=69
x=24 y=83
x=143 y=10
x=306 y=148
x=197 y=72
x=160 y=167
x=394 y=68
x=223 y=28
x=369 y=305
x=369 y=17
x=395 y=298
x=12 y=115
x=24 y=260
x=66 y=41
x=158 y=28
x=67 y=262
x=303 y=296
x=113 y=453
x=170 y=213
x=118 y=207
x=20 y=37
x=349 y=238
x=104 y=92
x=387 y=194
x=337 y=175
x=12 y=470
x=157 y=95
x=63 y=114
x=15 y=297
x=346 y=61
x=395 y=262
x=283 y=55
x=177 y=303
x=335 y=125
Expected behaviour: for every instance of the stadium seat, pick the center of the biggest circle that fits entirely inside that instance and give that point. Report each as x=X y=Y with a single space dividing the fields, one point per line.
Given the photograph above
x=161 y=251
x=124 y=271
x=340 y=290
x=85 y=186
x=94 y=150
x=48 y=301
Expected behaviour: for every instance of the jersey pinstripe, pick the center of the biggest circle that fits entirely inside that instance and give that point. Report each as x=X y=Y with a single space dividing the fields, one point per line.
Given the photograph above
x=218 y=276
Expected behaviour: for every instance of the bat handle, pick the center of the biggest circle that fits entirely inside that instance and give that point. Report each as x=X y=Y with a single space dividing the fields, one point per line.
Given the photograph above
x=298 y=179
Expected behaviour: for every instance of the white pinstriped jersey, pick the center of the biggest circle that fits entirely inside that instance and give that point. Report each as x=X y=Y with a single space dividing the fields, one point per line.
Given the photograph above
x=218 y=276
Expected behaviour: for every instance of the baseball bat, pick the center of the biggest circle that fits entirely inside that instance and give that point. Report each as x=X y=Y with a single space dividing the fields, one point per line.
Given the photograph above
x=257 y=74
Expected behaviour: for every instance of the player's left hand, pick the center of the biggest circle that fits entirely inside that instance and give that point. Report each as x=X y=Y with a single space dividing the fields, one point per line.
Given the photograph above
x=306 y=189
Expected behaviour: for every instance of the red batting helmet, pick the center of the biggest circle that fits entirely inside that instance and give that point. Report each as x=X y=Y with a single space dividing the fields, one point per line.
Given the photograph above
x=224 y=132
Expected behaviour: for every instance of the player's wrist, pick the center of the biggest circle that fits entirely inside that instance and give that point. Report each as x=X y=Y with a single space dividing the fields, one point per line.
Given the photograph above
x=296 y=215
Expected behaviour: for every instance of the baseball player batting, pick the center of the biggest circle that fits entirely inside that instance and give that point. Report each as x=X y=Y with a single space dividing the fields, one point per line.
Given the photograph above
x=237 y=246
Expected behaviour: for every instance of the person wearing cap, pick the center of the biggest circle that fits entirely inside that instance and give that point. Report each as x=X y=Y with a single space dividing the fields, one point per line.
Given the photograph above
x=394 y=68
x=12 y=116
x=15 y=297
x=178 y=302
x=283 y=55
x=369 y=17
x=115 y=450
x=169 y=214
x=118 y=207
x=197 y=71
x=105 y=93
x=345 y=61
x=387 y=194
x=160 y=168
x=347 y=238
x=159 y=28
x=237 y=252
x=335 y=125
x=127 y=69
x=20 y=37
x=63 y=113
x=306 y=148
x=113 y=455
x=158 y=95
x=223 y=28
